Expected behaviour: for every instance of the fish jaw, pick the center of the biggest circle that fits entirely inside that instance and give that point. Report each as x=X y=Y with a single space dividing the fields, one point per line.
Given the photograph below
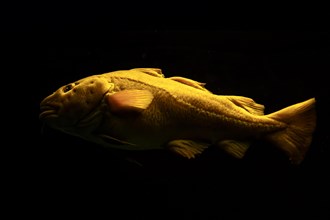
x=73 y=102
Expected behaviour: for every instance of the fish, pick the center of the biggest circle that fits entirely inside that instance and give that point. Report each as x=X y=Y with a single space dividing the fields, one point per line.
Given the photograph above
x=141 y=109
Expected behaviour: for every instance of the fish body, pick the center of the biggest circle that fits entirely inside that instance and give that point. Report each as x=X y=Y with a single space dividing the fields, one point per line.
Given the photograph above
x=140 y=109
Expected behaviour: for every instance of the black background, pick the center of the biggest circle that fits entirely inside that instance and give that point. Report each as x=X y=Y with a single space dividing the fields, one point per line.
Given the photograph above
x=277 y=55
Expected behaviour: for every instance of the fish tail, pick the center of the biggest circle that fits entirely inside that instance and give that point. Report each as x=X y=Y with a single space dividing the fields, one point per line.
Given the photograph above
x=296 y=138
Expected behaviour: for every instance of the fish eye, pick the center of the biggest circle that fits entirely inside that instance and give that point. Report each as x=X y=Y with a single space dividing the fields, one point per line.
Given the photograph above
x=67 y=88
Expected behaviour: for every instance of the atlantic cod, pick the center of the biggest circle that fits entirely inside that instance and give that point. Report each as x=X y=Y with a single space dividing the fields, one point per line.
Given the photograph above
x=140 y=109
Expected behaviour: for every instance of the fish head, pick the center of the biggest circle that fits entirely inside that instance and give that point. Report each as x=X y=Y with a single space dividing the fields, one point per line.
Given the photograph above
x=69 y=105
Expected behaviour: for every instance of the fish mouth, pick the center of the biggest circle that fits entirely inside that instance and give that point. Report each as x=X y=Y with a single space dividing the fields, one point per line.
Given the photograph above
x=47 y=111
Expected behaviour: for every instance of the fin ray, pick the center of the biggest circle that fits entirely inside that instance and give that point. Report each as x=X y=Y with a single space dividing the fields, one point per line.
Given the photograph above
x=296 y=138
x=235 y=148
x=113 y=141
x=190 y=82
x=129 y=100
x=187 y=148
x=151 y=71
x=247 y=104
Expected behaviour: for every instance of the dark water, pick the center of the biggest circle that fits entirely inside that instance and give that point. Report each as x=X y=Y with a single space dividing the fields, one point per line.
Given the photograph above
x=275 y=66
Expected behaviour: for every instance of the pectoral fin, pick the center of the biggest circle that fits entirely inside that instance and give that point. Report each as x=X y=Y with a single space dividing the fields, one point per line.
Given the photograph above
x=235 y=148
x=189 y=82
x=129 y=100
x=187 y=148
x=113 y=141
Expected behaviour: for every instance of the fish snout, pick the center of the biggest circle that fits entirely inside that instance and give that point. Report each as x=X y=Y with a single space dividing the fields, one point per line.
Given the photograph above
x=49 y=107
x=47 y=111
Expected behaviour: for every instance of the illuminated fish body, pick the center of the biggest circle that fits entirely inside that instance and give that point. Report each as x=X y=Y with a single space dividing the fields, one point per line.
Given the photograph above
x=140 y=109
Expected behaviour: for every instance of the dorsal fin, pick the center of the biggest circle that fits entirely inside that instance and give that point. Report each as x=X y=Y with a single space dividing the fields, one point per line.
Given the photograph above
x=151 y=71
x=190 y=82
x=247 y=104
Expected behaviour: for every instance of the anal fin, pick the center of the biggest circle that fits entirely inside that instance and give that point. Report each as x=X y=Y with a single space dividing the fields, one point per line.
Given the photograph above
x=235 y=148
x=187 y=148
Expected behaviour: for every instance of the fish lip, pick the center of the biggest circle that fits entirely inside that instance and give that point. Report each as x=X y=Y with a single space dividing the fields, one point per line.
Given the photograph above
x=47 y=111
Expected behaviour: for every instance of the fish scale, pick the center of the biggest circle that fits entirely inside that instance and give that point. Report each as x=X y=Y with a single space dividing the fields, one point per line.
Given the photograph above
x=181 y=99
x=140 y=109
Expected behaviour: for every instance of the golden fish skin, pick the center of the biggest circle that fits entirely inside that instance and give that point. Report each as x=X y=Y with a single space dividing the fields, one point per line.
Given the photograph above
x=140 y=109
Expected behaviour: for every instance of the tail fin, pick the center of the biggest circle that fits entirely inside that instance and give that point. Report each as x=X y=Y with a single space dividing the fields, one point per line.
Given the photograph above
x=297 y=137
